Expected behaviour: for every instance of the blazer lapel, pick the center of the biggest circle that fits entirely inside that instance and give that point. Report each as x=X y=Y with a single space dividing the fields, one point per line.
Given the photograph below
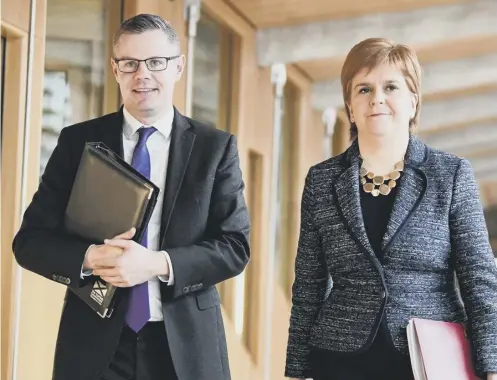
x=112 y=132
x=182 y=141
x=349 y=202
x=411 y=191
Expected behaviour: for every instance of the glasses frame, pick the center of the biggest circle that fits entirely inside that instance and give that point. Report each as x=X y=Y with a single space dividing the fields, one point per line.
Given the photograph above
x=117 y=60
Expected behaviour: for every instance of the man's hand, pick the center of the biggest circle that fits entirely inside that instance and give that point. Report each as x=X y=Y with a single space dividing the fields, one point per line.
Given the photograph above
x=98 y=252
x=135 y=265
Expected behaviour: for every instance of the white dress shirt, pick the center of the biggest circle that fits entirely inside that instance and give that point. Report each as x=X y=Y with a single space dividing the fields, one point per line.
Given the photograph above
x=158 y=145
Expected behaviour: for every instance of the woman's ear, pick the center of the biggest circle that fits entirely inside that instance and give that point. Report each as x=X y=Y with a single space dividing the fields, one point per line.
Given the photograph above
x=414 y=104
x=351 y=114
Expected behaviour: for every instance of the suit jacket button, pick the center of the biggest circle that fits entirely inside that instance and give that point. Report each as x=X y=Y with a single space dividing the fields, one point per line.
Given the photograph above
x=67 y=281
x=200 y=286
x=54 y=277
x=186 y=289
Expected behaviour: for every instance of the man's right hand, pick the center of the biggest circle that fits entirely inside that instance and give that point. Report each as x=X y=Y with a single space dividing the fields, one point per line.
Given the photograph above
x=98 y=252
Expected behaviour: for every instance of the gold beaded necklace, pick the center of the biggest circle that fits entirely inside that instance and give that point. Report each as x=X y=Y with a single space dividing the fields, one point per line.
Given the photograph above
x=378 y=185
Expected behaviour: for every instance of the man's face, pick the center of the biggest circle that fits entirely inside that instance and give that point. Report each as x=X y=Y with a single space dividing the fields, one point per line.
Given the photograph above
x=146 y=93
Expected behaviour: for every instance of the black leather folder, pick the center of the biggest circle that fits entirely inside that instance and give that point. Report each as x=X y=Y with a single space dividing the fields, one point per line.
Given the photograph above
x=108 y=197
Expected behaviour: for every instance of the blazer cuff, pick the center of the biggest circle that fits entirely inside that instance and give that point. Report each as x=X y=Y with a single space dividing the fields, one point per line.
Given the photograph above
x=169 y=280
x=86 y=272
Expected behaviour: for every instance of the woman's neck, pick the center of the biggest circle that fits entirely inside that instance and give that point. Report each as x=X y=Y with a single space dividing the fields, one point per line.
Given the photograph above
x=380 y=154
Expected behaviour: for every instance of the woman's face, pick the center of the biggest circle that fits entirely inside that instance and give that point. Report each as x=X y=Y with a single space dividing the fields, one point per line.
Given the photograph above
x=381 y=104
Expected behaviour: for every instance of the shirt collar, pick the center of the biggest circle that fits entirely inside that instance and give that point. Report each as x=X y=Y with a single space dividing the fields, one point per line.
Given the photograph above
x=164 y=125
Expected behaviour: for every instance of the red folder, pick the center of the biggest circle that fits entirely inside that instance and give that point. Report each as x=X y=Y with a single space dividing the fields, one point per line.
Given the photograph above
x=439 y=350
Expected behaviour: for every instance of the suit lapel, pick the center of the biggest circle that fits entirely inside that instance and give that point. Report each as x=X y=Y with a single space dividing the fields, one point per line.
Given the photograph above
x=182 y=141
x=349 y=202
x=111 y=129
x=411 y=191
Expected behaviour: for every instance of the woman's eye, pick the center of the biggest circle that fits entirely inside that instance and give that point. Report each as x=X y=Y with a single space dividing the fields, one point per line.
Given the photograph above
x=391 y=87
x=363 y=90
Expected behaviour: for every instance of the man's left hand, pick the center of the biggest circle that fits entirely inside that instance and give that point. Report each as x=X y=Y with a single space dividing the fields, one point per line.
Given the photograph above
x=136 y=265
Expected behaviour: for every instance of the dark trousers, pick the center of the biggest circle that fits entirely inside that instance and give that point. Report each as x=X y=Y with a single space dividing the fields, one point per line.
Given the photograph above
x=382 y=361
x=142 y=356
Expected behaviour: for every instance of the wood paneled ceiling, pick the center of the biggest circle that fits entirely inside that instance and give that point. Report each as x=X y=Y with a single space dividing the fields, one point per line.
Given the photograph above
x=273 y=13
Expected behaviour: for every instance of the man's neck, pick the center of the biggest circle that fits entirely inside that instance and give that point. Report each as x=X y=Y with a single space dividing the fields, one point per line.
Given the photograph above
x=380 y=154
x=149 y=118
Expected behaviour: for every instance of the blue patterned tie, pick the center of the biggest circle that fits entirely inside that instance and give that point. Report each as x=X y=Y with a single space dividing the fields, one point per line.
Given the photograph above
x=138 y=312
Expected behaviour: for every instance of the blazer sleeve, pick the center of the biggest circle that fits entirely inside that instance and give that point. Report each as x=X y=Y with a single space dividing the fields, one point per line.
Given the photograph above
x=309 y=287
x=226 y=252
x=475 y=267
x=41 y=246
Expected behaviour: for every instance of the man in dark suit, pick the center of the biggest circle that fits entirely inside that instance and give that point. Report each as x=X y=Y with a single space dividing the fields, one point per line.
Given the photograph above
x=167 y=324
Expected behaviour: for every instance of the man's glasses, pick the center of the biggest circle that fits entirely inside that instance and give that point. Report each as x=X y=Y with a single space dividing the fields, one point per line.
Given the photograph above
x=153 y=64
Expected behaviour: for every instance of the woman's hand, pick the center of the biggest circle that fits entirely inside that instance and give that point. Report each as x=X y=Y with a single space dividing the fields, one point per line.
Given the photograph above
x=492 y=376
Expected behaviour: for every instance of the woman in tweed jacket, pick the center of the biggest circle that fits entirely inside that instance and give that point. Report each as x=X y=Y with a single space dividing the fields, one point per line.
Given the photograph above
x=394 y=247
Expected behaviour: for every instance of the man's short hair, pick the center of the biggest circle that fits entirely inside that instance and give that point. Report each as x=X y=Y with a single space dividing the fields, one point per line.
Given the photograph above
x=145 y=22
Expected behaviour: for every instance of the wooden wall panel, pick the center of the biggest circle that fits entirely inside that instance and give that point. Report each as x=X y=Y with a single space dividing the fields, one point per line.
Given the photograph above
x=16 y=12
x=13 y=129
x=41 y=300
x=112 y=94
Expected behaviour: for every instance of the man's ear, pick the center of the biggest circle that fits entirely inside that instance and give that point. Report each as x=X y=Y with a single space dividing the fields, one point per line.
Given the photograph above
x=115 y=70
x=180 y=66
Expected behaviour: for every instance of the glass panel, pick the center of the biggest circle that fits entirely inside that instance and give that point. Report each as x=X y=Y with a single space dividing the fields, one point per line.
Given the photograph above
x=212 y=74
x=78 y=35
x=56 y=111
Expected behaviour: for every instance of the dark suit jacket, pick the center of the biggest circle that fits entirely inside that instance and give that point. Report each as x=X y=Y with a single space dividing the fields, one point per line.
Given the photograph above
x=436 y=233
x=205 y=228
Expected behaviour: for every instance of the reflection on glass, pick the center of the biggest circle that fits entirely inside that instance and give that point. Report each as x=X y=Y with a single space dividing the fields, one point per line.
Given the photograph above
x=212 y=74
x=77 y=45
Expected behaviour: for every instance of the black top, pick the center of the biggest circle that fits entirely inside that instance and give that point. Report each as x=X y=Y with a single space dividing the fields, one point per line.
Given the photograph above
x=376 y=214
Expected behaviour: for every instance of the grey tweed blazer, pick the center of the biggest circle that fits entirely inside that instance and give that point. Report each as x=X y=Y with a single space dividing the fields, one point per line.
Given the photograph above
x=436 y=234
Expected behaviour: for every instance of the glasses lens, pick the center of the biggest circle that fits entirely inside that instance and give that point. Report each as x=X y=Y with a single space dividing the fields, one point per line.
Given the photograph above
x=156 y=64
x=128 y=65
